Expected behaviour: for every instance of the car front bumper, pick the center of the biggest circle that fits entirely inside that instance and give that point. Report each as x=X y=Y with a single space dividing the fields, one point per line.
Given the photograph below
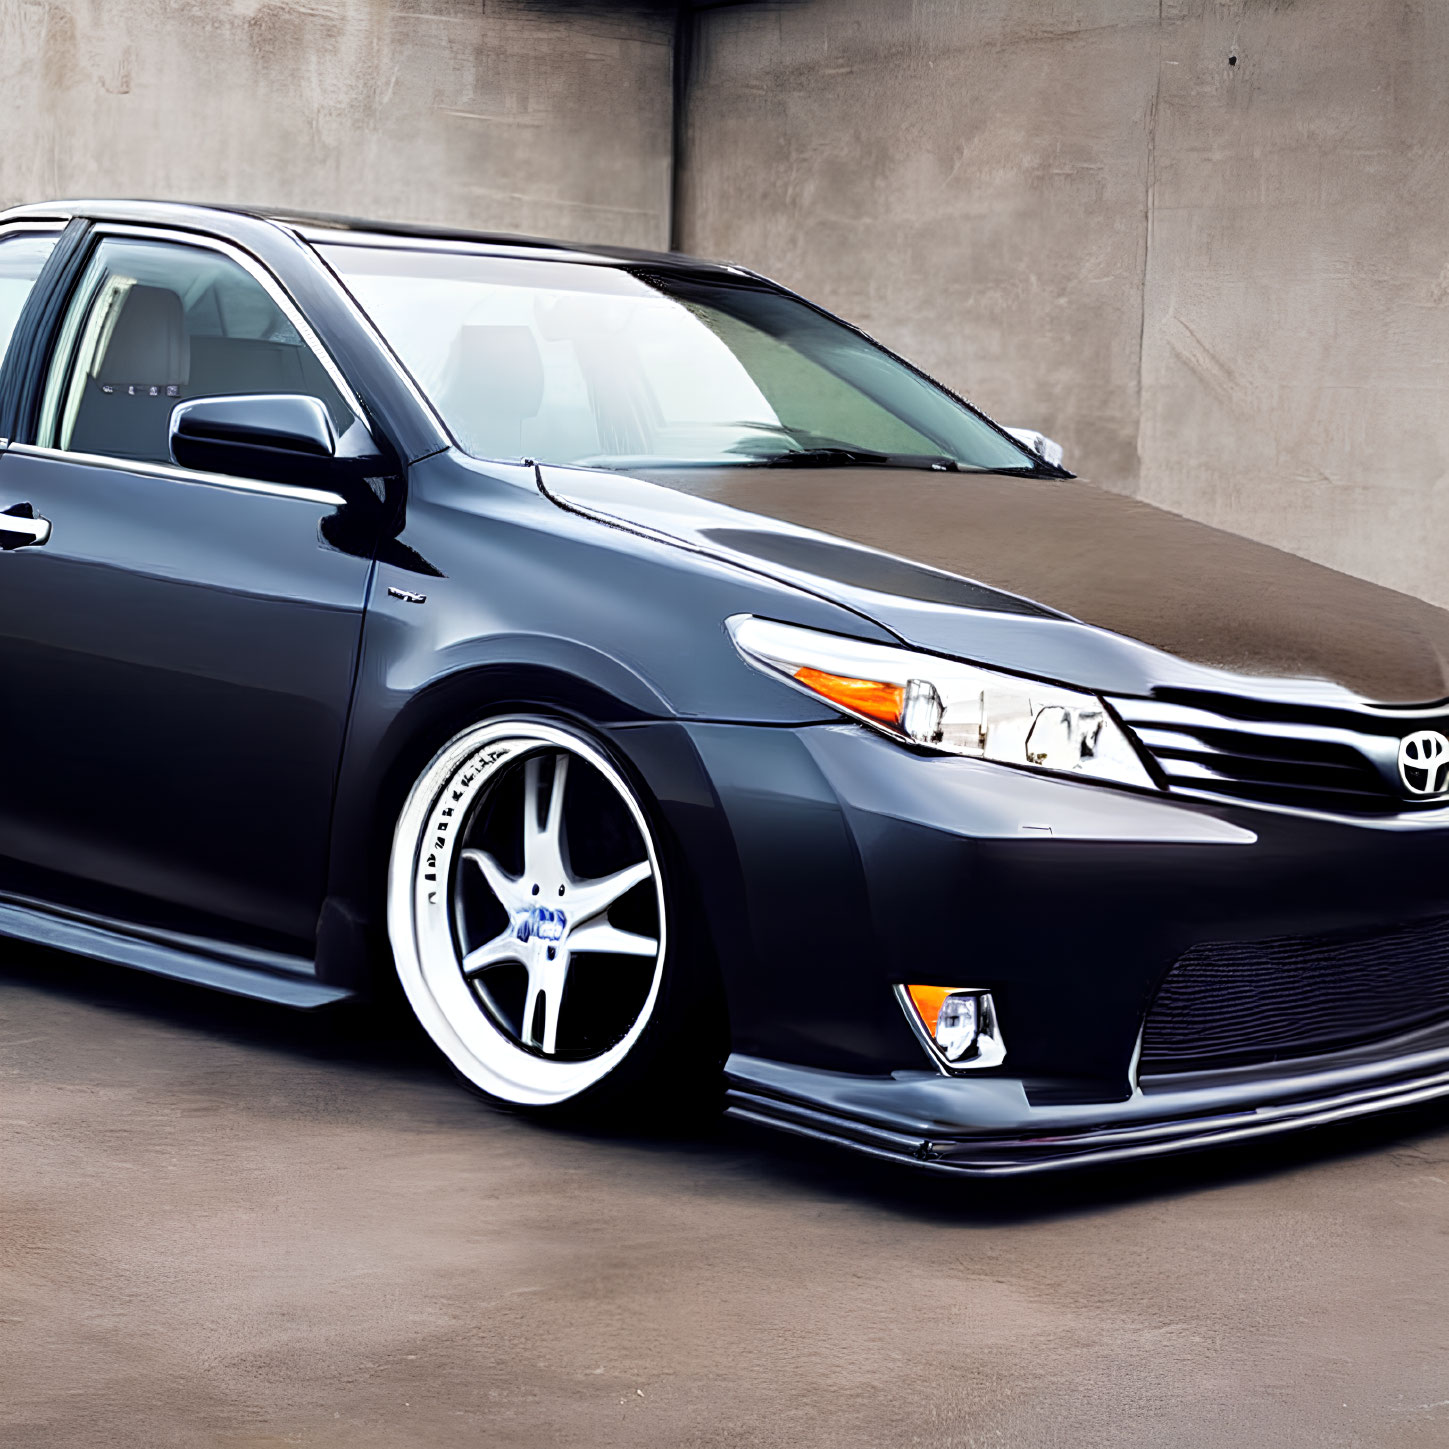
x=987 y=1127
x=853 y=864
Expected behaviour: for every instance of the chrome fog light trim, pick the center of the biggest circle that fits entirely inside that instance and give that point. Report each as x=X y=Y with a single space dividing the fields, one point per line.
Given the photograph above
x=965 y=1035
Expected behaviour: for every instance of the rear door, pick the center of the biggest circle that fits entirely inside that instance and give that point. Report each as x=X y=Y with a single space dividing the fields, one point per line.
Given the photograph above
x=177 y=650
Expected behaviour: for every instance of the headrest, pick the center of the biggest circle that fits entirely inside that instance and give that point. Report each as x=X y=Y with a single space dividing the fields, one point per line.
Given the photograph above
x=148 y=342
x=499 y=368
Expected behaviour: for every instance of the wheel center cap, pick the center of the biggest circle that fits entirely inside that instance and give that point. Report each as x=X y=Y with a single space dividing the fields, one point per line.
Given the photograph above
x=542 y=922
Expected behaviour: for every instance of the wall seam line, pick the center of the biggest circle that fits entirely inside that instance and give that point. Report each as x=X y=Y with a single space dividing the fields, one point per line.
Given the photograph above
x=1149 y=190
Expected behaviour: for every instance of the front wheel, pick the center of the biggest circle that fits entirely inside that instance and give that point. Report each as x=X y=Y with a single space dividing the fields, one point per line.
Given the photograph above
x=528 y=914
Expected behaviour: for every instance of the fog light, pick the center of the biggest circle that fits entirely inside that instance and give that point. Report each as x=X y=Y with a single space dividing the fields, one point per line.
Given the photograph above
x=957 y=1025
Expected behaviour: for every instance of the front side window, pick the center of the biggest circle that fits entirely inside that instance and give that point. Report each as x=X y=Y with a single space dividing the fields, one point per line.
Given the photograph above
x=22 y=255
x=153 y=323
x=598 y=366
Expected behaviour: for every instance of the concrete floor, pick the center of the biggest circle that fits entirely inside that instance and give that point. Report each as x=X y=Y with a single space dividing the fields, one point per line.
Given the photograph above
x=223 y=1224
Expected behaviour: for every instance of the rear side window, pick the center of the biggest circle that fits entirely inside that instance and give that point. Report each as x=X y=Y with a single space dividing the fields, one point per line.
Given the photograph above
x=154 y=323
x=22 y=255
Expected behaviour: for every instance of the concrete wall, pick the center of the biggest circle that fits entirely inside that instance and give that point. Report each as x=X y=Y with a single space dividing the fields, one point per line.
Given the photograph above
x=545 y=118
x=1224 y=286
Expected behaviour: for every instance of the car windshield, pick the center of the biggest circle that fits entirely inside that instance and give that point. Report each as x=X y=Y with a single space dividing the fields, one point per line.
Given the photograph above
x=597 y=366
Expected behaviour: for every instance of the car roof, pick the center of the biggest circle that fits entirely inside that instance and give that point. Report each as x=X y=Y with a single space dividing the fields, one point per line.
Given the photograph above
x=320 y=227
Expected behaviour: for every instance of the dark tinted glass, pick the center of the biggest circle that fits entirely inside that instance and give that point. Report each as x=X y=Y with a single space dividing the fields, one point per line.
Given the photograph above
x=154 y=323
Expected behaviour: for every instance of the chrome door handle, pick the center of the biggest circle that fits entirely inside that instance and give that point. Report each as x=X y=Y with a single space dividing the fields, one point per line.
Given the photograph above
x=21 y=527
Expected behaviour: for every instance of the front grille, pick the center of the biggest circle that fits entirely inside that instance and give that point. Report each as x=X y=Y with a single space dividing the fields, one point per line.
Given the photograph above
x=1314 y=757
x=1238 y=1003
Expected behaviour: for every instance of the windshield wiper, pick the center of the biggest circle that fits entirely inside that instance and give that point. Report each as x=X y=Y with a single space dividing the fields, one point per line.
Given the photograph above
x=838 y=457
x=819 y=458
x=864 y=458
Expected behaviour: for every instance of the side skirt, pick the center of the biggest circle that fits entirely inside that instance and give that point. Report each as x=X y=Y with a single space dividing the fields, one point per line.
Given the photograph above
x=239 y=970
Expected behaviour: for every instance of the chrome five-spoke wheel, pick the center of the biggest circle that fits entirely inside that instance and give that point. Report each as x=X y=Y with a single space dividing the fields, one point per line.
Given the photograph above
x=527 y=912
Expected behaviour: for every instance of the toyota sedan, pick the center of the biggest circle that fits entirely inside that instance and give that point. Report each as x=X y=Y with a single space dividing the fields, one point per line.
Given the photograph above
x=684 y=697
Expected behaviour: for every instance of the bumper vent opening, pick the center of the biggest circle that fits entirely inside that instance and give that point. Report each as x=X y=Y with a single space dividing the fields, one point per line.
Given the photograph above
x=1242 y=1003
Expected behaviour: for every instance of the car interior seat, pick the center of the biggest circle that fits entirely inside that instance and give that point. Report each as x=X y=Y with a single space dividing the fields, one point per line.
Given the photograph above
x=126 y=402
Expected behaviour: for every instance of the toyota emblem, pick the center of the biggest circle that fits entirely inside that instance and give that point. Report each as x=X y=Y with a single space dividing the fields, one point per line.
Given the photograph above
x=1424 y=762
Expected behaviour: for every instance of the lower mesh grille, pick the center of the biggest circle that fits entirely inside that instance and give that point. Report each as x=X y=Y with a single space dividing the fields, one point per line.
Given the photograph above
x=1239 y=1003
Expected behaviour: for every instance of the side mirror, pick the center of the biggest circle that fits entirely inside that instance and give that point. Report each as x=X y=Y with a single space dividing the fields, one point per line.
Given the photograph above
x=272 y=437
x=1039 y=443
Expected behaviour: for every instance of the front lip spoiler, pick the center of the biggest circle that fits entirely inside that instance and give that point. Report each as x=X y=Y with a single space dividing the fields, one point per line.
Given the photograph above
x=1008 y=1154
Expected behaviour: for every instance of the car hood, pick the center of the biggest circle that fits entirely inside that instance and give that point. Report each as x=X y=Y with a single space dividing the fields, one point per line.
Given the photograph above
x=1052 y=577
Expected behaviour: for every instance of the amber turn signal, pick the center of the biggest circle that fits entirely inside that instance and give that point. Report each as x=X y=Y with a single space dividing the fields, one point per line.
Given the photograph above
x=928 y=1000
x=955 y=1019
x=883 y=702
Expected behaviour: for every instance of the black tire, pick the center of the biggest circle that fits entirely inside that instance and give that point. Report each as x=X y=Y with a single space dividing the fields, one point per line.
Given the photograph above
x=545 y=934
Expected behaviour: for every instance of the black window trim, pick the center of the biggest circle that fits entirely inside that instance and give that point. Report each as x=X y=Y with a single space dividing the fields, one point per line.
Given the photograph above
x=28 y=349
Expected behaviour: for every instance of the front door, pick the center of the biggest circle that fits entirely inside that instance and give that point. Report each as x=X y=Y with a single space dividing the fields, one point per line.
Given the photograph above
x=176 y=656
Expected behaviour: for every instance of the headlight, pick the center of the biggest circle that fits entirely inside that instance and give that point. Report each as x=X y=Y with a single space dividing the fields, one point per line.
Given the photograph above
x=945 y=705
